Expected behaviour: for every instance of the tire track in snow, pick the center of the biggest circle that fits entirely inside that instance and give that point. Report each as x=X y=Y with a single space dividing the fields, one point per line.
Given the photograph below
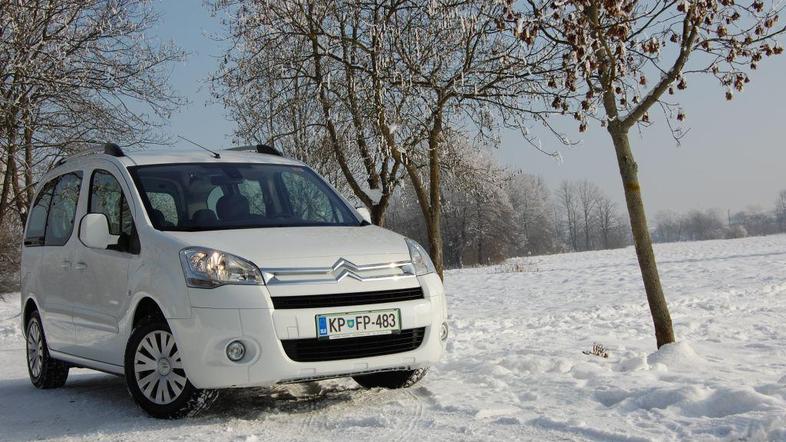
x=313 y=417
x=415 y=417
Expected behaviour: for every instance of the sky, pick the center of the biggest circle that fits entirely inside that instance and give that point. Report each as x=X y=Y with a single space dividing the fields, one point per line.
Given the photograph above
x=733 y=158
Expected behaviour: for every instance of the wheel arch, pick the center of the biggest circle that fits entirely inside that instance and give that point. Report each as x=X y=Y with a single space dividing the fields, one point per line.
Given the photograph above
x=146 y=307
x=30 y=307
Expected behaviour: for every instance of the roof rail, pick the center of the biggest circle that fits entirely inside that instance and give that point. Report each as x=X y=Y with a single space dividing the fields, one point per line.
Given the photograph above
x=114 y=150
x=259 y=148
x=107 y=148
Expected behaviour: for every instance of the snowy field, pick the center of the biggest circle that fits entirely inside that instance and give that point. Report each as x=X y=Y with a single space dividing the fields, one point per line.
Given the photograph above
x=515 y=368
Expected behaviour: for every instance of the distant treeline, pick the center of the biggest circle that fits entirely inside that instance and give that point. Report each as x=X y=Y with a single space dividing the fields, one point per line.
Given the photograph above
x=508 y=215
x=698 y=225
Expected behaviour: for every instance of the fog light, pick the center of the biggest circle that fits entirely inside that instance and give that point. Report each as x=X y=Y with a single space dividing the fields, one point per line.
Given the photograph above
x=443 y=331
x=235 y=351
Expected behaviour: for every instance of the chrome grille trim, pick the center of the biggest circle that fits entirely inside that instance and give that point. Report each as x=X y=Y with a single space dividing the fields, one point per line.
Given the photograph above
x=337 y=272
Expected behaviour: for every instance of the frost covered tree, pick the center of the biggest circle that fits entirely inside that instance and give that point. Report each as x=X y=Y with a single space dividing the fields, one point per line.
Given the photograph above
x=478 y=216
x=534 y=221
x=780 y=211
x=610 y=224
x=390 y=81
x=589 y=217
x=298 y=75
x=623 y=60
x=567 y=195
x=75 y=71
x=589 y=195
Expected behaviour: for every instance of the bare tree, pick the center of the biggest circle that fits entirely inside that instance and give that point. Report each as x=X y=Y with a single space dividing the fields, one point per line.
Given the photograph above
x=308 y=63
x=754 y=221
x=618 y=61
x=607 y=220
x=534 y=221
x=393 y=81
x=75 y=71
x=568 y=200
x=588 y=195
x=668 y=226
x=780 y=211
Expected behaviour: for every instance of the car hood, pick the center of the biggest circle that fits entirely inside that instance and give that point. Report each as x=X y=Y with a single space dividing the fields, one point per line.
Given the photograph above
x=278 y=247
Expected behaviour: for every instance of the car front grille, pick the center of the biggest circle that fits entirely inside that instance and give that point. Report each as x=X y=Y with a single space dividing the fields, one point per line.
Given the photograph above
x=345 y=299
x=319 y=350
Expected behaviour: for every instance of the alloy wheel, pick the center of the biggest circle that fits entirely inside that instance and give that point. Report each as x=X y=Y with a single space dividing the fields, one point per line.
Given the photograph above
x=35 y=348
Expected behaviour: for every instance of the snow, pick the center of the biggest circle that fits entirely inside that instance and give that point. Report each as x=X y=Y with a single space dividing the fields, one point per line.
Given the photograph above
x=514 y=368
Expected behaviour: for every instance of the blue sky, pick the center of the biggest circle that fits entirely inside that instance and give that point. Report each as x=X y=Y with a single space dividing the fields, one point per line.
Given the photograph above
x=733 y=157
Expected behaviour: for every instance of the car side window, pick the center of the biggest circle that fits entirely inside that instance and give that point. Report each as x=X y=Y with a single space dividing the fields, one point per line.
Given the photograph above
x=62 y=209
x=36 y=222
x=106 y=197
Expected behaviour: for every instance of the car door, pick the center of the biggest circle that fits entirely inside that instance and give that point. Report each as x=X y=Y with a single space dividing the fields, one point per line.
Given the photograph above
x=53 y=278
x=104 y=295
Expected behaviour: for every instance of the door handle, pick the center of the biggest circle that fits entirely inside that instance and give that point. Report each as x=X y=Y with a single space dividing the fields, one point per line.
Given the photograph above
x=65 y=264
x=80 y=266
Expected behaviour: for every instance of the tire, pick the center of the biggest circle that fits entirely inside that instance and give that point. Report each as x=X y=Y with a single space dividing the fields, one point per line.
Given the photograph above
x=156 y=378
x=45 y=371
x=391 y=379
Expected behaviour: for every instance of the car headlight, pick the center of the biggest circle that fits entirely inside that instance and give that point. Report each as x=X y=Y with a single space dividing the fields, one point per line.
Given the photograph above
x=208 y=268
x=420 y=259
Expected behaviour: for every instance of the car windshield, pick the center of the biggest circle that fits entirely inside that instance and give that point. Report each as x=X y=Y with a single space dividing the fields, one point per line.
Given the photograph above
x=195 y=197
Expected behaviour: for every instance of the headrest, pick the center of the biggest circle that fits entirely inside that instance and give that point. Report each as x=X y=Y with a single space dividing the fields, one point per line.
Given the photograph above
x=232 y=207
x=158 y=218
x=204 y=217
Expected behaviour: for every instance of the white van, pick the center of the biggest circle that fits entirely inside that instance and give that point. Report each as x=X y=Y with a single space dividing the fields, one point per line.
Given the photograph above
x=190 y=272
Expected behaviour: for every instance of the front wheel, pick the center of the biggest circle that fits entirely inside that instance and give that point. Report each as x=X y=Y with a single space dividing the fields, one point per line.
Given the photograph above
x=391 y=379
x=156 y=378
x=45 y=371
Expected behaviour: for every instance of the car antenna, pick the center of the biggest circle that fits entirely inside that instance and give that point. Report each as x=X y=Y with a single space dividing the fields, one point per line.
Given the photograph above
x=215 y=154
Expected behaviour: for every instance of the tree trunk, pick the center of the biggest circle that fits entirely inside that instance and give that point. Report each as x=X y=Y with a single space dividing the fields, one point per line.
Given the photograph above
x=5 y=194
x=28 y=171
x=378 y=213
x=9 y=173
x=435 y=193
x=586 y=232
x=435 y=245
x=664 y=333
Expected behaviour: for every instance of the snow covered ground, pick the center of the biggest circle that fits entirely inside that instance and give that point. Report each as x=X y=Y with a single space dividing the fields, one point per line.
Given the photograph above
x=515 y=368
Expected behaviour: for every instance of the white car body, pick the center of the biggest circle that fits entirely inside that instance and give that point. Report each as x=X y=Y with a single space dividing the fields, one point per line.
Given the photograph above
x=88 y=297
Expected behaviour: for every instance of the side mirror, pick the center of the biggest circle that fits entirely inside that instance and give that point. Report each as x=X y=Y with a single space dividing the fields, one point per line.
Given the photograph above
x=94 y=231
x=363 y=211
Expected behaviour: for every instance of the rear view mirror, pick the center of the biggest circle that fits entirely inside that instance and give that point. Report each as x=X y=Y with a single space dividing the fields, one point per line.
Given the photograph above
x=363 y=211
x=94 y=231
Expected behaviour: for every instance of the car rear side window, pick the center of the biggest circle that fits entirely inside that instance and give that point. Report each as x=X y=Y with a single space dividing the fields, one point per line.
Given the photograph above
x=62 y=209
x=36 y=222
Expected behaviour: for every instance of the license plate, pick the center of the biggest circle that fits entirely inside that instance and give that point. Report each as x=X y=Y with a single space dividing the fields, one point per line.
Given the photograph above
x=354 y=324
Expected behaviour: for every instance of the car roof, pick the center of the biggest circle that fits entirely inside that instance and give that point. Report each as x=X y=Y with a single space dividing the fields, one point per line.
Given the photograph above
x=145 y=157
x=172 y=156
x=149 y=157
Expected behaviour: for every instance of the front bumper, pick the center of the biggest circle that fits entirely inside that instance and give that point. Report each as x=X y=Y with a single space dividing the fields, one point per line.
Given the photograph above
x=204 y=336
